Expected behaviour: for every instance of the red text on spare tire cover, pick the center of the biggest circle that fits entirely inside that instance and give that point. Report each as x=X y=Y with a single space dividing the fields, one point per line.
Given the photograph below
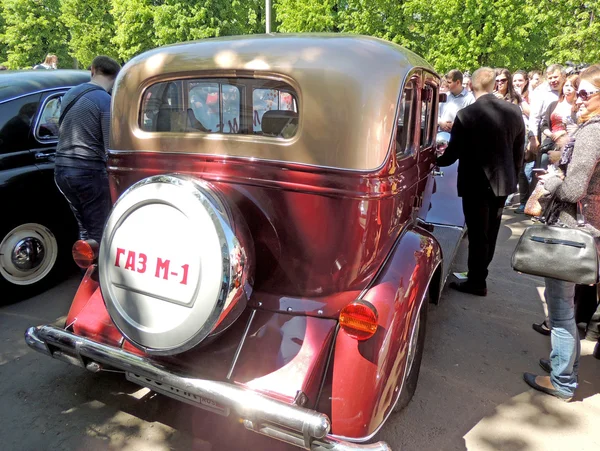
x=139 y=262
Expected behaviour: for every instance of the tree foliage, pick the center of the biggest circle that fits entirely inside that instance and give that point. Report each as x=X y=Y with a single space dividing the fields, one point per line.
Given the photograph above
x=186 y=20
x=578 y=22
x=448 y=33
x=3 y=54
x=134 y=27
x=32 y=29
x=90 y=26
x=306 y=15
x=470 y=33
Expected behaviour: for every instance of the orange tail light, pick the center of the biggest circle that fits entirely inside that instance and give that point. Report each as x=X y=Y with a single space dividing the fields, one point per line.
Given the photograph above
x=359 y=320
x=85 y=253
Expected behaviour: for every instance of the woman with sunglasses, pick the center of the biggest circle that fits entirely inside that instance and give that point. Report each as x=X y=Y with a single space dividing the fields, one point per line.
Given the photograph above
x=581 y=184
x=503 y=89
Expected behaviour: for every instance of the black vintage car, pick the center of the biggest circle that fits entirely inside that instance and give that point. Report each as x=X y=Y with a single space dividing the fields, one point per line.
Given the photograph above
x=37 y=227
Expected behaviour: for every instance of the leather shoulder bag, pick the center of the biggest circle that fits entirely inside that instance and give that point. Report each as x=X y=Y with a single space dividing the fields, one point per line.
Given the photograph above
x=553 y=250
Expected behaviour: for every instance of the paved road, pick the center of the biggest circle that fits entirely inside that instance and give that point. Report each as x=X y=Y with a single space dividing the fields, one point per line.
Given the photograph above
x=470 y=395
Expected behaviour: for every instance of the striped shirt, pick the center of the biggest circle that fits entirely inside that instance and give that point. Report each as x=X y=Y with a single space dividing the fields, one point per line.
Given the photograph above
x=84 y=131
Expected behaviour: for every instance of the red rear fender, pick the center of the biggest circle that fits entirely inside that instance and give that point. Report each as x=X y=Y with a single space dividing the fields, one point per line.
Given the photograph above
x=367 y=375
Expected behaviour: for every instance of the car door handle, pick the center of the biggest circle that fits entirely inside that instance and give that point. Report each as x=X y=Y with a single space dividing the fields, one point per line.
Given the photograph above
x=45 y=155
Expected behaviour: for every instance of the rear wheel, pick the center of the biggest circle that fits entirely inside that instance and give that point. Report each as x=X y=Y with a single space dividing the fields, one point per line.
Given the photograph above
x=33 y=256
x=415 y=355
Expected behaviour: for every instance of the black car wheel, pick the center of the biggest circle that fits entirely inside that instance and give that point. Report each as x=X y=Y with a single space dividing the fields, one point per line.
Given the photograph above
x=33 y=256
x=415 y=355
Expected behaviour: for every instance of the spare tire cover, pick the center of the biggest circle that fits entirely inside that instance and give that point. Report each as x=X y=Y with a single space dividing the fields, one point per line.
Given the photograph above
x=170 y=264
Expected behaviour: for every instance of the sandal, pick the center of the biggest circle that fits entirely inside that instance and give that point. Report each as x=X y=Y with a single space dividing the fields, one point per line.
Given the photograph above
x=541 y=328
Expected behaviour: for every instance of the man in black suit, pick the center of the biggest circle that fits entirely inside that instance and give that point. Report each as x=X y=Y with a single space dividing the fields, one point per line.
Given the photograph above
x=487 y=139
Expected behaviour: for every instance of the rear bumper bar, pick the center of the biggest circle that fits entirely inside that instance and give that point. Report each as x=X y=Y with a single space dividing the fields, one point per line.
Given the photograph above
x=296 y=425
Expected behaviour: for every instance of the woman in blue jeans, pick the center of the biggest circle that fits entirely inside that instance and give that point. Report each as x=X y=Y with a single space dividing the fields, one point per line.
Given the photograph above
x=581 y=184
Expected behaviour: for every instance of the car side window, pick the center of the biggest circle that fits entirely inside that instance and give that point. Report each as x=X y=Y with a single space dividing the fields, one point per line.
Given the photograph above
x=15 y=122
x=47 y=126
x=427 y=119
x=405 y=126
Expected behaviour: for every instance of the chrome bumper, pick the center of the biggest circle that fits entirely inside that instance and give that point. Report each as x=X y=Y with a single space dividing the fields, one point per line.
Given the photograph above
x=296 y=425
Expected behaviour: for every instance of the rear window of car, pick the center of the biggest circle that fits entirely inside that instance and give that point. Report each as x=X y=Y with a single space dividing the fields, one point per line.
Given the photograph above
x=241 y=106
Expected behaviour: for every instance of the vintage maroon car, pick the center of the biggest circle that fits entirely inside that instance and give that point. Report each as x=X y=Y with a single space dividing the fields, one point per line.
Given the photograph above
x=277 y=235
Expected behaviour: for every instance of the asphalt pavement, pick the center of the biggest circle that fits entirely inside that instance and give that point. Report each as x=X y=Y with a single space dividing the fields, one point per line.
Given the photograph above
x=470 y=394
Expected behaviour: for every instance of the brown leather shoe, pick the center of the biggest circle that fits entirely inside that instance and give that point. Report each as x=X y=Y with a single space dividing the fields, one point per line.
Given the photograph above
x=467 y=287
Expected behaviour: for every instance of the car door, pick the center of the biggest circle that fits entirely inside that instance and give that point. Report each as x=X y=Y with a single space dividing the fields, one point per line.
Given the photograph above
x=17 y=163
x=440 y=207
x=440 y=204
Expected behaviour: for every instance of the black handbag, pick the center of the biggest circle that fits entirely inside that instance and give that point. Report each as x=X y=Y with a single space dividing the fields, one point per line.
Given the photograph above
x=547 y=145
x=553 y=250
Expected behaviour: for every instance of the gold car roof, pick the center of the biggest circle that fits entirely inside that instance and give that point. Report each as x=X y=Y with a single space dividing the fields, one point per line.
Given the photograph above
x=347 y=86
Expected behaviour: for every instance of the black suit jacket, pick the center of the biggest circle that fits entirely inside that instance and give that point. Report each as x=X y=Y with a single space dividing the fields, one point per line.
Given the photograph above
x=488 y=140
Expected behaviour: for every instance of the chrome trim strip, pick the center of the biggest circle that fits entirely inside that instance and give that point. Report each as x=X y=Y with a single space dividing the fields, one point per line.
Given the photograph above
x=39 y=116
x=36 y=92
x=437 y=224
x=331 y=444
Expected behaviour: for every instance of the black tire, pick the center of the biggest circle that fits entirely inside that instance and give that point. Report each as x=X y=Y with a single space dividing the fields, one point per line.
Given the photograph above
x=410 y=382
x=56 y=241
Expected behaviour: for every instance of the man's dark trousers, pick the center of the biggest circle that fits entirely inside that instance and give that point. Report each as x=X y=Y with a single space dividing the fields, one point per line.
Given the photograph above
x=483 y=214
x=89 y=197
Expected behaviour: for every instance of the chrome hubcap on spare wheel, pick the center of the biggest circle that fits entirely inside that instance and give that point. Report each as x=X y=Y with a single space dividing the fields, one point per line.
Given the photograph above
x=27 y=254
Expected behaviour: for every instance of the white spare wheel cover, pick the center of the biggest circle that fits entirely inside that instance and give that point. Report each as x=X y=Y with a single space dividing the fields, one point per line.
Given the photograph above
x=170 y=265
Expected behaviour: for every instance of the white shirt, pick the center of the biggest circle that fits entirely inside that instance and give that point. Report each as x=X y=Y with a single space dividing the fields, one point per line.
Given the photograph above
x=541 y=99
x=454 y=103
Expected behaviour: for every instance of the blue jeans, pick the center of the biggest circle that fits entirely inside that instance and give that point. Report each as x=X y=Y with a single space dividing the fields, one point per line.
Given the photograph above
x=566 y=347
x=88 y=195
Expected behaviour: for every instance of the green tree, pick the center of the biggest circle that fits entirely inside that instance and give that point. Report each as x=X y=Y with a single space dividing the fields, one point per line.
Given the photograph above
x=575 y=30
x=32 y=29
x=90 y=27
x=295 y=16
x=470 y=33
x=381 y=18
x=185 y=20
x=3 y=54
x=133 y=27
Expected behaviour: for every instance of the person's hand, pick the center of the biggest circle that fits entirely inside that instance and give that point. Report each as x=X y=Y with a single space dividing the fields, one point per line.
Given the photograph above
x=557 y=135
x=445 y=126
x=497 y=94
x=533 y=144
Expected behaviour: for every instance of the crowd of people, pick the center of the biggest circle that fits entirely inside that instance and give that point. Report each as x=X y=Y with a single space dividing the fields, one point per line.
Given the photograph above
x=527 y=130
